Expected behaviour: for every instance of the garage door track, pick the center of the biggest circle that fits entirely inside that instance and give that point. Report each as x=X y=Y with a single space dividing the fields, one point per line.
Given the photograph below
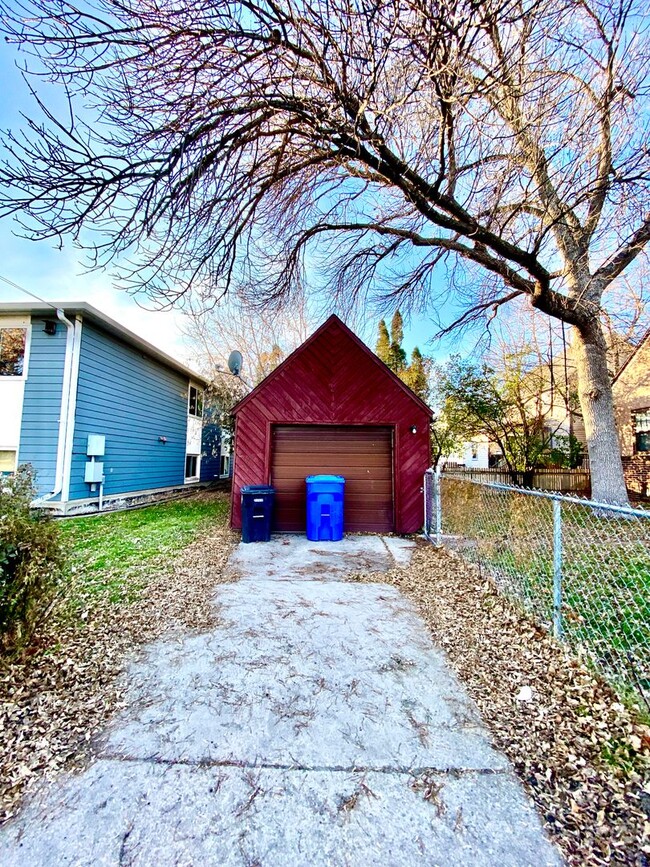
x=317 y=724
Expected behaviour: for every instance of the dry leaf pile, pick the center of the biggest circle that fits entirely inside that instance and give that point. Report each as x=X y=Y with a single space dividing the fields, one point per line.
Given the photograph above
x=62 y=692
x=582 y=756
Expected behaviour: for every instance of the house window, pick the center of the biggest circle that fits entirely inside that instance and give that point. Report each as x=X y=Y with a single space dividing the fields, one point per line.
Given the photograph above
x=474 y=452
x=12 y=351
x=191 y=463
x=225 y=465
x=195 y=402
x=642 y=430
x=7 y=461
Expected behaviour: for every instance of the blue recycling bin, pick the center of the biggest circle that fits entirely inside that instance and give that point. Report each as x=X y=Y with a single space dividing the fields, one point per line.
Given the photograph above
x=325 y=508
x=256 y=512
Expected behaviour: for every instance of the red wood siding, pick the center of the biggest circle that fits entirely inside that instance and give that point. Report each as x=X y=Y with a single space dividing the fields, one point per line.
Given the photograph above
x=333 y=379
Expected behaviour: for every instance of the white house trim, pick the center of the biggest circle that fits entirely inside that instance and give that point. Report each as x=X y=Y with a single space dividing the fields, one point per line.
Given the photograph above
x=71 y=408
x=28 y=346
x=63 y=414
x=12 y=391
x=194 y=431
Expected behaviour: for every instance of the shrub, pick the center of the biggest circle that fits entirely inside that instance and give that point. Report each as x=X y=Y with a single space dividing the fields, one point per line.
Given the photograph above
x=31 y=560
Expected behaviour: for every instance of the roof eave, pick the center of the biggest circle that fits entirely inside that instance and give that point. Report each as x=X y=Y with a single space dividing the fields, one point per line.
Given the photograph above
x=82 y=308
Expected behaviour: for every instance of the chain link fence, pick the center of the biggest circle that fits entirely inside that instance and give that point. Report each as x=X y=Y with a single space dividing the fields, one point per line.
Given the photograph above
x=580 y=568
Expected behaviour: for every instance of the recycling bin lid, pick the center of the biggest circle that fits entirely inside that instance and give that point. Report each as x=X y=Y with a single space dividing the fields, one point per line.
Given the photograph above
x=257 y=489
x=315 y=479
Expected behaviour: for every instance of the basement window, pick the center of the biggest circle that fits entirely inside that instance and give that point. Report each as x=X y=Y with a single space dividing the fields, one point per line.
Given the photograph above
x=12 y=351
x=195 y=402
x=191 y=464
x=642 y=429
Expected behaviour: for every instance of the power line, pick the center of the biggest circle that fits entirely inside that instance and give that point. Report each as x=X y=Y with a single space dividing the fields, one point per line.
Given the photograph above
x=27 y=292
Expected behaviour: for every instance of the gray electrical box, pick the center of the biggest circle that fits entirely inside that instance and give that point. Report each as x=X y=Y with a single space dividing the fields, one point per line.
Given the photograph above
x=94 y=472
x=96 y=446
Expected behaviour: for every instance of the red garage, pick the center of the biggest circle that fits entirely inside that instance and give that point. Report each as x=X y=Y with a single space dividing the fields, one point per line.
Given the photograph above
x=333 y=407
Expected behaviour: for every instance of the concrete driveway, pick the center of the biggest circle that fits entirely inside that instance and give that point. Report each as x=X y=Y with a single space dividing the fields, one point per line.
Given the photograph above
x=316 y=725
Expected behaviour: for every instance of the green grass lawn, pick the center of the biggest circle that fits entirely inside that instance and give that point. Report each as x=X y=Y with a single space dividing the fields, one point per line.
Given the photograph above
x=113 y=555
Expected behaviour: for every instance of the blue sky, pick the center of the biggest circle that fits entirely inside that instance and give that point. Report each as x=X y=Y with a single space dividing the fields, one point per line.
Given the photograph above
x=55 y=274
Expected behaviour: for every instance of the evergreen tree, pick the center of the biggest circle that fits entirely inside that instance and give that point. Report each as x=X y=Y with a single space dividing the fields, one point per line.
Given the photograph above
x=397 y=329
x=397 y=362
x=389 y=350
x=382 y=349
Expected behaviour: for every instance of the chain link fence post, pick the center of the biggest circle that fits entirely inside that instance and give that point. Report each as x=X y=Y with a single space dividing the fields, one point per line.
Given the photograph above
x=580 y=568
x=426 y=495
x=438 y=502
x=557 y=569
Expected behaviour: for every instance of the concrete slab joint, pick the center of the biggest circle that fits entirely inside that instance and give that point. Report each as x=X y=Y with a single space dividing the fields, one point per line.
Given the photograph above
x=316 y=725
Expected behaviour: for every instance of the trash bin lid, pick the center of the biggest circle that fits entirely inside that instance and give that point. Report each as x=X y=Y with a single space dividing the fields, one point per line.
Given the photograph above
x=257 y=489
x=314 y=479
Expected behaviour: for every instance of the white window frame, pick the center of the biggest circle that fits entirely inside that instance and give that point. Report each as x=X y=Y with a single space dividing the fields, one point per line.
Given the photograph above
x=641 y=421
x=15 y=452
x=200 y=393
x=196 y=476
x=12 y=324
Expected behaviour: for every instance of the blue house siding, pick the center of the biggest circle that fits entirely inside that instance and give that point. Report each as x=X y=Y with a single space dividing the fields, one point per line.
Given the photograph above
x=39 y=433
x=133 y=400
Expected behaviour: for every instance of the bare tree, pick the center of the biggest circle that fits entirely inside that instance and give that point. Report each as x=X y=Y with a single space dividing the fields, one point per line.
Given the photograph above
x=237 y=143
x=264 y=339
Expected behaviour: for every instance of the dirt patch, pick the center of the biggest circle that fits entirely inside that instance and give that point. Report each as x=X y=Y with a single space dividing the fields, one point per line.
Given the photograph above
x=581 y=754
x=64 y=689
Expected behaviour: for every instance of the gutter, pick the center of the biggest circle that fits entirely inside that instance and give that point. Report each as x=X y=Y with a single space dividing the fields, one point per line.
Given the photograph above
x=66 y=393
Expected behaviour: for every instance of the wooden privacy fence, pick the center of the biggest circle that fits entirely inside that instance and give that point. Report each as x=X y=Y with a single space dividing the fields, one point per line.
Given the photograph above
x=573 y=481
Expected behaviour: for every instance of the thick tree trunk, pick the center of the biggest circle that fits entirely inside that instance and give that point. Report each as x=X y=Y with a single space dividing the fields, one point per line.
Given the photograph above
x=596 y=401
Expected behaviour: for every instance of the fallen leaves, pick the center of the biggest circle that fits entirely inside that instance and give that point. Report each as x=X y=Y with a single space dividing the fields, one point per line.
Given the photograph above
x=62 y=691
x=581 y=754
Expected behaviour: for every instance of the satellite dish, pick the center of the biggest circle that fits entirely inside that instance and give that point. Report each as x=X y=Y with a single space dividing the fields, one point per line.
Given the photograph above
x=235 y=362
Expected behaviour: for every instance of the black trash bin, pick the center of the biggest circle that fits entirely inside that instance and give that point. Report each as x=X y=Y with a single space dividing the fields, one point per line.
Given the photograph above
x=256 y=512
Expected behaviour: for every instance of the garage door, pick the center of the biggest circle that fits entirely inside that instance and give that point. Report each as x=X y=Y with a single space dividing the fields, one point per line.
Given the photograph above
x=362 y=455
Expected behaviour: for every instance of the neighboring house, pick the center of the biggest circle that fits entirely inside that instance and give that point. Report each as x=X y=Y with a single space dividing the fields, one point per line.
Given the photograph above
x=98 y=412
x=474 y=453
x=545 y=392
x=333 y=407
x=560 y=403
x=631 y=392
x=631 y=388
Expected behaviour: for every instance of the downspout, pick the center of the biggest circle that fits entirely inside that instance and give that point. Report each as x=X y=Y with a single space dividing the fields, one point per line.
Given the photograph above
x=65 y=404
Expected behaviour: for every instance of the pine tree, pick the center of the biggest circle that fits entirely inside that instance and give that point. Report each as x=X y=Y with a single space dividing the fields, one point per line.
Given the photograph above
x=382 y=349
x=397 y=361
x=415 y=375
x=397 y=329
